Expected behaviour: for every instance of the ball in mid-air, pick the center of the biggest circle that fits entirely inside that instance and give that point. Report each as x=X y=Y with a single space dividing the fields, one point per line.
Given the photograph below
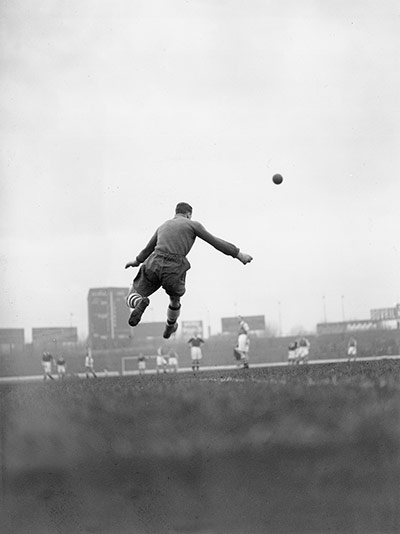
x=277 y=179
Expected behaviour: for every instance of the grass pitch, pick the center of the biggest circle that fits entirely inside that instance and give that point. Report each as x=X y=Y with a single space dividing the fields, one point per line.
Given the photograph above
x=299 y=450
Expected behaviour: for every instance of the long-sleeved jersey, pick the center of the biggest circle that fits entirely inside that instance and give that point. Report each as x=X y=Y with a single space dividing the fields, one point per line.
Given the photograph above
x=177 y=236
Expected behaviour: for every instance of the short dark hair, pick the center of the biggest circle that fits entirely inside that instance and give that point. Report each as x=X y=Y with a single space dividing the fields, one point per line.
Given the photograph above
x=183 y=207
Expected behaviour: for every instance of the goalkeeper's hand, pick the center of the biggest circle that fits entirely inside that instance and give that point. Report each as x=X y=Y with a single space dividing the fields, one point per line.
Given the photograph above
x=244 y=258
x=133 y=263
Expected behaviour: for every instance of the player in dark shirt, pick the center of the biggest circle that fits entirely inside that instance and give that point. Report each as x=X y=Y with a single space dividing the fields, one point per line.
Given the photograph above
x=292 y=352
x=164 y=264
x=195 y=351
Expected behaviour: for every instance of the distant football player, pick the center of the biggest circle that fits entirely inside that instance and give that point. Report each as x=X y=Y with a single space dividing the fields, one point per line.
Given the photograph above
x=196 y=354
x=164 y=264
x=303 y=349
x=161 y=361
x=352 y=349
x=173 y=360
x=292 y=352
x=61 y=367
x=142 y=364
x=89 y=364
x=243 y=343
x=47 y=362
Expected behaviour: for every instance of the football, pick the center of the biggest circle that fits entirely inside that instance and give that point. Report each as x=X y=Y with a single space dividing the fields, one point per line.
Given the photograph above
x=277 y=179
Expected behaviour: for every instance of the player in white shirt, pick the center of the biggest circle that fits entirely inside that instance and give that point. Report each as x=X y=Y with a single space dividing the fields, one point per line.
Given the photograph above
x=89 y=364
x=161 y=361
x=61 y=367
x=142 y=364
x=173 y=360
x=47 y=362
x=352 y=349
x=243 y=343
x=303 y=349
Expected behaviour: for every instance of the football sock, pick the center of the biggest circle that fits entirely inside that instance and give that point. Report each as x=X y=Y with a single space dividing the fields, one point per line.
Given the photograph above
x=173 y=314
x=133 y=299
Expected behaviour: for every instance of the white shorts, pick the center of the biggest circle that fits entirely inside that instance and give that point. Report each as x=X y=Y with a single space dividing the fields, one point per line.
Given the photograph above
x=46 y=367
x=196 y=353
x=142 y=366
x=160 y=361
x=173 y=362
x=352 y=351
x=243 y=343
x=291 y=355
x=61 y=369
x=302 y=352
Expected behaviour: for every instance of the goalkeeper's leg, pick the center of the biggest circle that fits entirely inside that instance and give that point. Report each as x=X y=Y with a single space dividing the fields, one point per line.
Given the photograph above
x=173 y=312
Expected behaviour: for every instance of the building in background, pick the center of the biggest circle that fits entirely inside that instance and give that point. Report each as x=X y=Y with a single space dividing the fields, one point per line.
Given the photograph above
x=380 y=319
x=345 y=327
x=12 y=340
x=230 y=325
x=389 y=317
x=108 y=318
x=190 y=328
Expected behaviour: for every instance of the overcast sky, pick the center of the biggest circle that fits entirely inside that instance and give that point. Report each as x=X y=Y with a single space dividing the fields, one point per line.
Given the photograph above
x=112 y=111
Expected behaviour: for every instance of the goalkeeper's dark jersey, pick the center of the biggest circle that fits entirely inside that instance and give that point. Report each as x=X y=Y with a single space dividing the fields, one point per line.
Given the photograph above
x=177 y=236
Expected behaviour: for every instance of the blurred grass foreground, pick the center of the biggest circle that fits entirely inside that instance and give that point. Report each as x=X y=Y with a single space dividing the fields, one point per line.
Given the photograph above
x=306 y=449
